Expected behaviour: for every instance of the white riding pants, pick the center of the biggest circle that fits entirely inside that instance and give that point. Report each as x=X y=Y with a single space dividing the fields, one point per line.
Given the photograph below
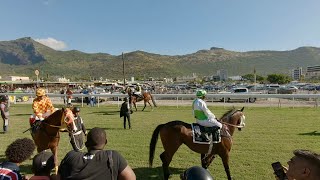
x=209 y=123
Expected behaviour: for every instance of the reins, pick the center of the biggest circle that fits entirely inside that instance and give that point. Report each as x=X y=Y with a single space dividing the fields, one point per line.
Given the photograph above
x=237 y=126
x=233 y=125
x=63 y=119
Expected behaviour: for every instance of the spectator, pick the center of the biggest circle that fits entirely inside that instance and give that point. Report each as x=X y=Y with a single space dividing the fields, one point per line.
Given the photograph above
x=16 y=153
x=125 y=111
x=76 y=137
x=196 y=173
x=96 y=163
x=4 y=108
x=62 y=92
x=69 y=96
x=42 y=164
x=304 y=165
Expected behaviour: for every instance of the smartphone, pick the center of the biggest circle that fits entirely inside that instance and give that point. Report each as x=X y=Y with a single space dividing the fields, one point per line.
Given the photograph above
x=278 y=170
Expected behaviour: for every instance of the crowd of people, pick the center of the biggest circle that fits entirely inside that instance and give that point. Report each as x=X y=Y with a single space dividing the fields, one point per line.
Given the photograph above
x=98 y=163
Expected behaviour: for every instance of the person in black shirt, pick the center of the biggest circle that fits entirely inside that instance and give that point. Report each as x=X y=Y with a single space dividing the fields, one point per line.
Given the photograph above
x=125 y=111
x=96 y=163
x=76 y=137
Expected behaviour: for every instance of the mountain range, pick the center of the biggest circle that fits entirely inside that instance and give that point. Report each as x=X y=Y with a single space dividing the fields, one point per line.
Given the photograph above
x=23 y=56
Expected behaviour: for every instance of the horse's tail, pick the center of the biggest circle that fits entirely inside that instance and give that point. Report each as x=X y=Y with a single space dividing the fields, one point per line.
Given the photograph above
x=153 y=143
x=153 y=101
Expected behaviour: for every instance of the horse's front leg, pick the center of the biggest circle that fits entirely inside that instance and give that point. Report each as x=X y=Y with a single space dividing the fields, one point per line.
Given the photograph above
x=54 y=151
x=145 y=104
x=135 y=106
x=206 y=160
x=225 y=161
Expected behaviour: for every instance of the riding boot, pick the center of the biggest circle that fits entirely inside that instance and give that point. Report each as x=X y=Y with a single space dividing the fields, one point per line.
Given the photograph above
x=5 y=129
x=205 y=137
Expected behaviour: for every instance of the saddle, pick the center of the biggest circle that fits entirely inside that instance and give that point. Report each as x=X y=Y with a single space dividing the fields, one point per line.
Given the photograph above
x=205 y=135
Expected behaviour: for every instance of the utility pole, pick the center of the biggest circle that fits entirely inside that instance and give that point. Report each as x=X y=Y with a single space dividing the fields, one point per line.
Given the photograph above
x=124 y=78
x=255 y=79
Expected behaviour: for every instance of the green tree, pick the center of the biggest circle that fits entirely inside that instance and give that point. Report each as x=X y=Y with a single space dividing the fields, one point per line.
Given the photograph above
x=278 y=78
x=250 y=77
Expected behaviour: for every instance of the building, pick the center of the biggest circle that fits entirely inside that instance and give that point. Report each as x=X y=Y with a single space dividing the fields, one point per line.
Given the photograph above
x=223 y=74
x=296 y=73
x=313 y=72
x=16 y=78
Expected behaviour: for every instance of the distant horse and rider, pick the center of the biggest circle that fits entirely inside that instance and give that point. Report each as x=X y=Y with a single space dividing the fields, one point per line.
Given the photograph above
x=145 y=96
x=175 y=133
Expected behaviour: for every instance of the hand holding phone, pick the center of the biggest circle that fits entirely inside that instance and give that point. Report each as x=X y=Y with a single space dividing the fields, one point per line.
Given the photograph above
x=278 y=171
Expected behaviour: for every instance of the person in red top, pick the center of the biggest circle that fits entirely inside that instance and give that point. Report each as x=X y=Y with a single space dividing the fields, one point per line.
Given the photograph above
x=69 y=96
x=42 y=106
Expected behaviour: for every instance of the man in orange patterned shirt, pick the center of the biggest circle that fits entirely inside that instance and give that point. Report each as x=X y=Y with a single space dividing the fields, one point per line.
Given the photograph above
x=42 y=105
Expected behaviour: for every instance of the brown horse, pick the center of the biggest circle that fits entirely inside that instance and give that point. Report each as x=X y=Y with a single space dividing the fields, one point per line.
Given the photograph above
x=47 y=136
x=145 y=96
x=175 y=133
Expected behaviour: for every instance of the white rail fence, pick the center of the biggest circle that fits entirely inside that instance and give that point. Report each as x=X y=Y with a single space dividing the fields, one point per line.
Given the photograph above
x=314 y=98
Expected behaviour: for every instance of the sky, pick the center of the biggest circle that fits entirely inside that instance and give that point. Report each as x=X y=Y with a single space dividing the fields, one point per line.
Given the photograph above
x=166 y=27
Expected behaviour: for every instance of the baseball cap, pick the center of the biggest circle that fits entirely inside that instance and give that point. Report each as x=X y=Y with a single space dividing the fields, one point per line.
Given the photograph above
x=43 y=162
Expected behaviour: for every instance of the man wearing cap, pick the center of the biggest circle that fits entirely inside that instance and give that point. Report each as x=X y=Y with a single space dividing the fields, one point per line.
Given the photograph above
x=42 y=106
x=42 y=164
x=97 y=163
x=4 y=108
x=76 y=137
x=201 y=112
x=196 y=173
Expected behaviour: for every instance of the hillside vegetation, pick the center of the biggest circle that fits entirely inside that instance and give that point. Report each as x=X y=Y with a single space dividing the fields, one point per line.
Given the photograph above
x=22 y=56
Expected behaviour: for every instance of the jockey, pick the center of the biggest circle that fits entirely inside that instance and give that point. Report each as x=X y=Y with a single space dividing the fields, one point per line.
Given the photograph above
x=42 y=106
x=137 y=90
x=201 y=112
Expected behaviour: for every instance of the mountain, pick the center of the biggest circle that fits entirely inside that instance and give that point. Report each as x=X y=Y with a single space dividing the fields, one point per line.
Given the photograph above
x=22 y=56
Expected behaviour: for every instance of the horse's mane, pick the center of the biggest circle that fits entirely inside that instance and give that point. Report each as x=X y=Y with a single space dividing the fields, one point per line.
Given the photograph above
x=52 y=117
x=228 y=113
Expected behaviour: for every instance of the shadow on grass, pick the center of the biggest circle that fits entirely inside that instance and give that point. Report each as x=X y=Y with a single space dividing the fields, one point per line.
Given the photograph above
x=89 y=129
x=154 y=173
x=26 y=169
x=313 y=133
x=2 y=158
x=105 y=112
x=22 y=114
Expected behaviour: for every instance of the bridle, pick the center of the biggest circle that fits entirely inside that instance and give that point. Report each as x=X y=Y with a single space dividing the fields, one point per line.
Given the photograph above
x=242 y=122
x=63 y=121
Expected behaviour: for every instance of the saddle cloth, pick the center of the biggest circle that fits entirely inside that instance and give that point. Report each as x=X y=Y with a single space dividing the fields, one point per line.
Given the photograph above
x=199 y=132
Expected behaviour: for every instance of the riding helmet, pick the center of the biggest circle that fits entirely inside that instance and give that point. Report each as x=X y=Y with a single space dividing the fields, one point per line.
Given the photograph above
x=40 y=92
x=196 y=173
x=76 y=109
x=201 y=93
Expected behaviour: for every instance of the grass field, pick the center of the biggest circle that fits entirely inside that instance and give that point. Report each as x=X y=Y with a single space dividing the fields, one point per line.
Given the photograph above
x=271 y=134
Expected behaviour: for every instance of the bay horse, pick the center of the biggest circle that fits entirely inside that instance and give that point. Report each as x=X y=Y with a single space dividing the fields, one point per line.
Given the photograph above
x=175 y=133
x=146 y=97
x=47 y=136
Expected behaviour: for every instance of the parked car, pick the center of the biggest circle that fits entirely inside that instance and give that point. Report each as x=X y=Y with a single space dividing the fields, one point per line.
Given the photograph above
x=239 y=91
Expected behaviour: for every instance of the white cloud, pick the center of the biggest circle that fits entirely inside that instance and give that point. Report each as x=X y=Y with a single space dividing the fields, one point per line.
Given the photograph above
x=53 y=43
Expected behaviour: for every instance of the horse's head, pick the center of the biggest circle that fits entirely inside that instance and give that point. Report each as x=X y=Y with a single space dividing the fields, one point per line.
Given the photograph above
x=68 y=119
x=234 y=118
x=61 y=119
